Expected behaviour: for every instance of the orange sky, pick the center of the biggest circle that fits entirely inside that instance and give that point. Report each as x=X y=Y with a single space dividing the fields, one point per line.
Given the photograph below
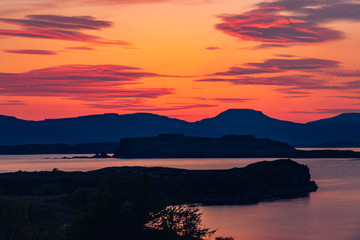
x=190 y=59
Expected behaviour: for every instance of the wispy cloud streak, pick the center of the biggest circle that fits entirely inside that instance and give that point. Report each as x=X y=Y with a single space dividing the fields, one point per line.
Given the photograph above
x=288 y=74
x=81 y=82
x=266 y=25
x=31 y=52
x=283 y=23
x=58 y=27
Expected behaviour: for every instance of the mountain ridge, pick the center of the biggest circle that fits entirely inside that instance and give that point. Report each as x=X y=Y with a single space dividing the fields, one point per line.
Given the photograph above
x=230 y=110
x=111 y=127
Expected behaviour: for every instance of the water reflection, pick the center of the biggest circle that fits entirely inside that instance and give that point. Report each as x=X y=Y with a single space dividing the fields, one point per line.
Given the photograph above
x=286 y=220
x=333 y=212
x=47 y=162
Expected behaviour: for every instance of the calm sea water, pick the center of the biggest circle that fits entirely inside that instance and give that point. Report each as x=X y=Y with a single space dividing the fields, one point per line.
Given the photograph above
x=331 y=213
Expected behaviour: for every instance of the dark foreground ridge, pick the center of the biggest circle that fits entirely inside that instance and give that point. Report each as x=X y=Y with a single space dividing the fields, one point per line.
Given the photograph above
x=229 y=146
x=256 y=182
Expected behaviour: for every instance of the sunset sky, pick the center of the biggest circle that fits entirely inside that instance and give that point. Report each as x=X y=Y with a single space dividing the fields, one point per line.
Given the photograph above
x=296 y=60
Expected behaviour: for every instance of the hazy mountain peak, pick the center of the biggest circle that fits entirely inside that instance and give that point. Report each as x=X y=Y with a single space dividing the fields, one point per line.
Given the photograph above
x=9 y=118
x=237 y=114
x=348 y=118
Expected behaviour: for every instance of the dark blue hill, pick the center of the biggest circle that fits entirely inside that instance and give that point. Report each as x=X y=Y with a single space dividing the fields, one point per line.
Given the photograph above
x=344 y=118
x=251 y=122
x=93 y=128
x=343 y=129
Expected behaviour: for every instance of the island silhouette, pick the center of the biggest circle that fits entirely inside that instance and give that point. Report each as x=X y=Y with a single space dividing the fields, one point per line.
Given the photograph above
x=228 y=146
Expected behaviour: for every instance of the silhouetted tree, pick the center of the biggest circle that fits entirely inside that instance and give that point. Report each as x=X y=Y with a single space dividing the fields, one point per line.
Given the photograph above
x=184 y=220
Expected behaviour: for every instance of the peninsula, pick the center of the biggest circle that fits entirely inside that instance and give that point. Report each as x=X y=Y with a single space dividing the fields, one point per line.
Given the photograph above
x=256 y=182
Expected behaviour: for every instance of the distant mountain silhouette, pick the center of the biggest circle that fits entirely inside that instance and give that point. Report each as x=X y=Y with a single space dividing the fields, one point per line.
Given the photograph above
x=345 y=118
x=344 y=128
x=249 y=122
x=93 y=128
x=240 y=115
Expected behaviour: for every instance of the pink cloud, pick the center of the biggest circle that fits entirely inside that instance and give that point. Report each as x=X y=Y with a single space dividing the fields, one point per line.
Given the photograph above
x=128 y=2
x=285 y=55
x=32 y=52
x=288 y=74
x=58 y=27
x=320 y=10
x=278 y=65
x=213 y=48
x=81 y=48
x=296 y=64
x=265 y=24
x=12 y=103
x=62 y=22
x=348 y=73
x=235 y=71
x=304 y=81
x=233 y=100
x=338 y=110
x=81 y=82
